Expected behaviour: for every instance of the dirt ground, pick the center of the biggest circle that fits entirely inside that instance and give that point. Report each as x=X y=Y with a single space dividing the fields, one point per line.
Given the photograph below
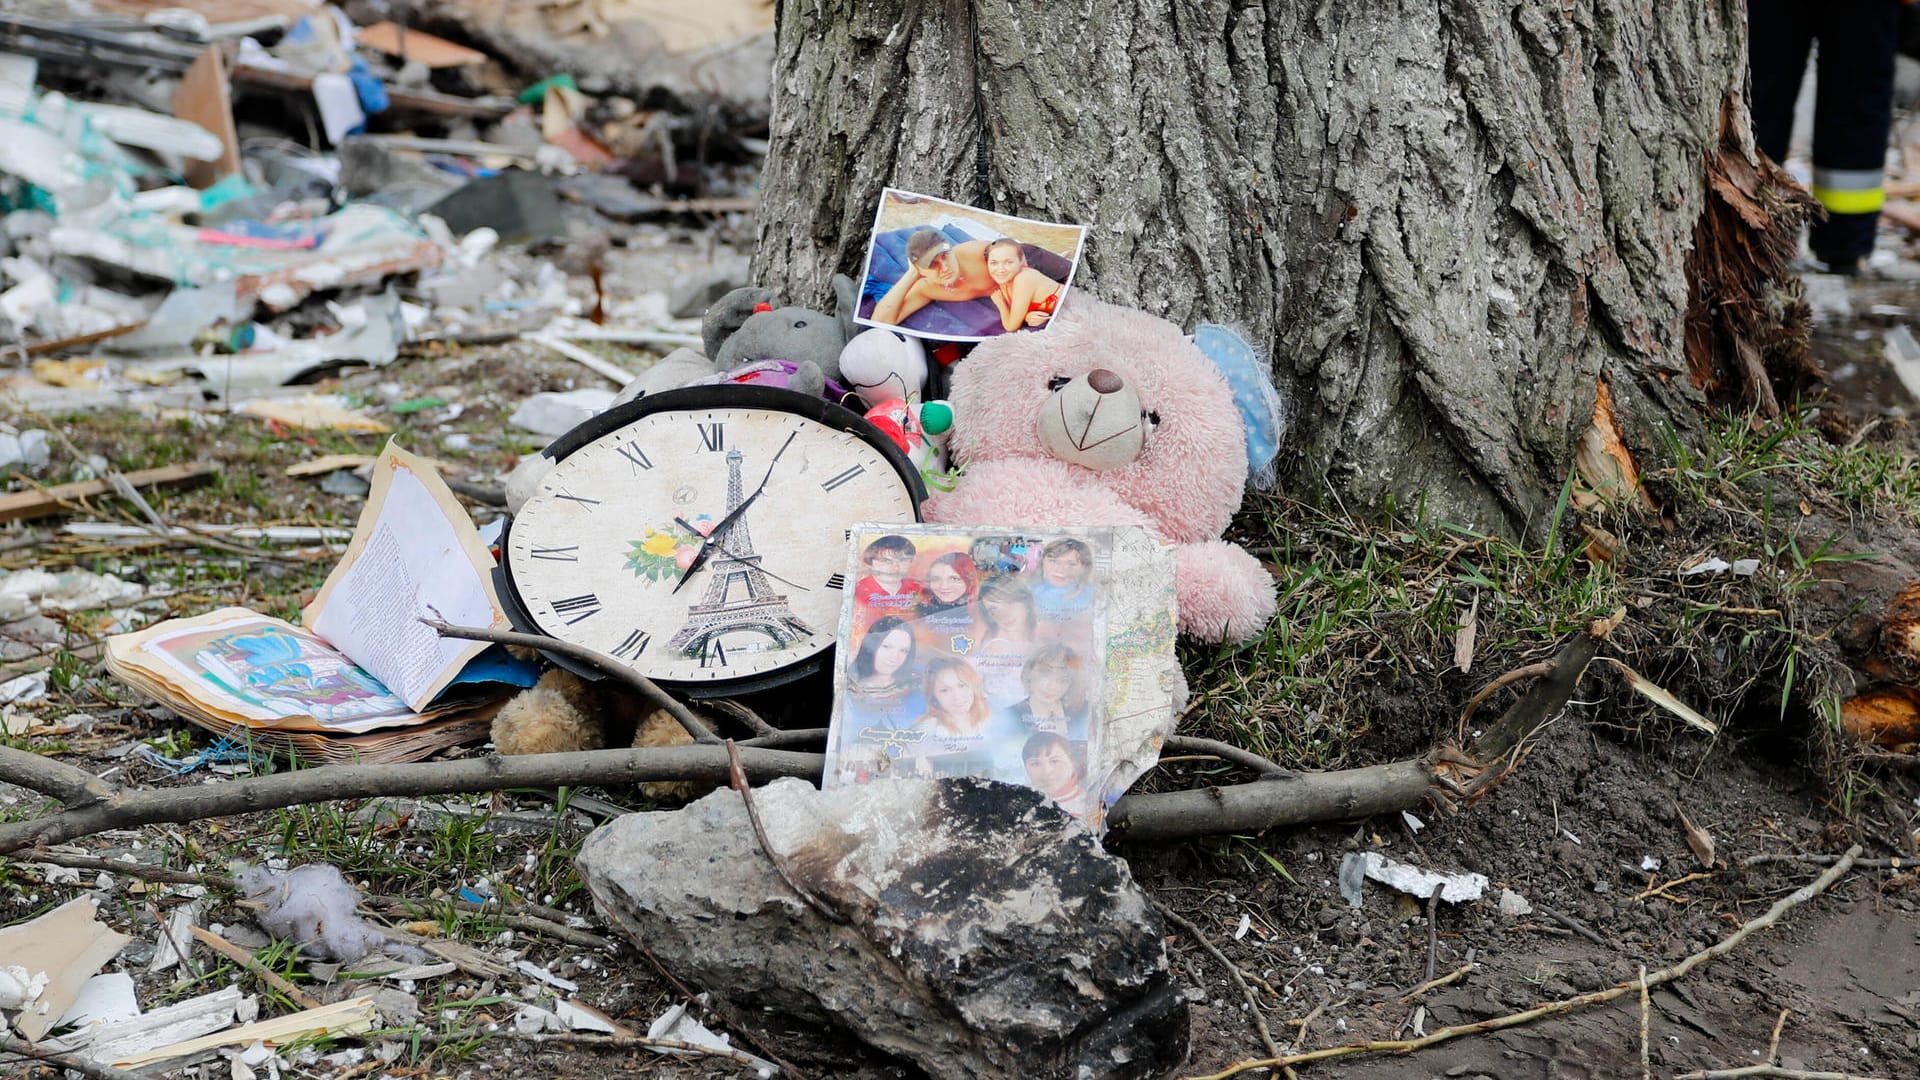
x=1587 y=830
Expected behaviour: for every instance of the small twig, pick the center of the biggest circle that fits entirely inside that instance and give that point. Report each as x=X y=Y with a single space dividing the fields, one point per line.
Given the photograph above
x=1773 y=1044
x=1826 y=860
x=1661 y=890
x=737 y=779
x=247 y=960
x=1646 y=1012
x=606 y=665
x=130 y=869
x=85 y=1066
x=1660 y=978
x=1570 y=923
x=745 y=715
x=1233 y=972
x=1773 y=1071
x=1185 y=744
x=1433 y=927
x=1448 y=979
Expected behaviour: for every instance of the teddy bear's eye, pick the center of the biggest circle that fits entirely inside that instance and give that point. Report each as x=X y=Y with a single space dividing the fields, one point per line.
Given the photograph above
x=799 y=324
x=1152 y=418
x=1057 y=382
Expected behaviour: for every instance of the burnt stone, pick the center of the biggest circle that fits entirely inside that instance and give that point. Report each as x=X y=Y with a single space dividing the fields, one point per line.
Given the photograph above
x=976 y=929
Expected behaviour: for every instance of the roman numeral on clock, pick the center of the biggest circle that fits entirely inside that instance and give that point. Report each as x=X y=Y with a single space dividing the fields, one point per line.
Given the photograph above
x=563 y=493
x=634 y=455
x=713 y=436
x=585 y=605
x=558 y=554
x=715 y=653
x=635 y=644
x=837 y=581
x=846 y=477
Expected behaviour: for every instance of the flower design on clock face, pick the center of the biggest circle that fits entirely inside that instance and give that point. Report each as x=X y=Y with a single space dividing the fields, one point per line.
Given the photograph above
x=701 y=545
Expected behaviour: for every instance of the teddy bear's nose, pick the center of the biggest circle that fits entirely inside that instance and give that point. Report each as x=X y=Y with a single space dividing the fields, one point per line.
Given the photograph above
x=1104 y=381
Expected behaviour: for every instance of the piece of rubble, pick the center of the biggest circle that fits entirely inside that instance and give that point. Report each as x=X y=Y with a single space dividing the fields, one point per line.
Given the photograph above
x=677 y=1026
x=977 y=929
x=1513 y=905
x=552 y=413
x=55 y=955
x=1458 y=888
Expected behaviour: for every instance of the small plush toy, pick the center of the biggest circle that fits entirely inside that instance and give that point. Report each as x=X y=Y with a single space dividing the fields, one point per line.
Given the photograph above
x=884 y=365
x=745 y=338
x=1112 y=417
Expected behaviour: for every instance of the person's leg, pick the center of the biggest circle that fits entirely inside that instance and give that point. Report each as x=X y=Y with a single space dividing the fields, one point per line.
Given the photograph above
x=1779 y=32
x=1853 y=107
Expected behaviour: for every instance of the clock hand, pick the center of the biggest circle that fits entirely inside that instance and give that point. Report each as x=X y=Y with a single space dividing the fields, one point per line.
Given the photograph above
x=736 y=557
x=719 y=532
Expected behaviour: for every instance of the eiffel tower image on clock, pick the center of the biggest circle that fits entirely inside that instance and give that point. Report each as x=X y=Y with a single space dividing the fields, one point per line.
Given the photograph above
x=739 y=596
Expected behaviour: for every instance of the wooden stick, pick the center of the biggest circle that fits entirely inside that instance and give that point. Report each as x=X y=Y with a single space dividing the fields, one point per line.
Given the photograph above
x=22 y=505
x=1531 y=671
x=737 y=779
x=1448 y=979
x=1773 y=1044
x=606 y=665
x=1233 y=972
x=1773 y=1071
x=1660 y=978
x=1646 y=1013
x=247 y=960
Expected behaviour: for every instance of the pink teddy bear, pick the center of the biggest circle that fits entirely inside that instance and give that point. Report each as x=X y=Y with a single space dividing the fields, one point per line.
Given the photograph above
x=1112 y=417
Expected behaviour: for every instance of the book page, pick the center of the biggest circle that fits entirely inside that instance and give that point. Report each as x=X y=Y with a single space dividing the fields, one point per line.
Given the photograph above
x=414 y=555
x=256 y=670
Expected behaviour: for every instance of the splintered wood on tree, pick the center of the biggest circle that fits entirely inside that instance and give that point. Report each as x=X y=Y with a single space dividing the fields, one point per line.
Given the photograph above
x=1447 y=224
x=1747 y=318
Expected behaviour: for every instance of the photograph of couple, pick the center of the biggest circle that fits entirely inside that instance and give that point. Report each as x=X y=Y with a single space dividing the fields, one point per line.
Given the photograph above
x=938 y=269
x=970 y=655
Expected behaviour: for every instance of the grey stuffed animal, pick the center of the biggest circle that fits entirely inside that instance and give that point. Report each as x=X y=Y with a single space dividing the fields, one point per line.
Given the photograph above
x=735 y=332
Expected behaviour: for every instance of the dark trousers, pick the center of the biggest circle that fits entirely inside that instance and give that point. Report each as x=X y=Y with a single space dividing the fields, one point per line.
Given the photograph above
x=1853 y=106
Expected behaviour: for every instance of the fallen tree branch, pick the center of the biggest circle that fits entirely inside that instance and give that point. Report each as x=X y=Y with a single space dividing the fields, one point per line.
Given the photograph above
x=1273 y=802
x=490 y=773
x=1660 y=978
x=73 y=787
x=600 y=662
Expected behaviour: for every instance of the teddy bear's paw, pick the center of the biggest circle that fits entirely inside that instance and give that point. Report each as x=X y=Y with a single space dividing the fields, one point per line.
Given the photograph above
x=661 y=729
x=1224 y=593
x=550 y=717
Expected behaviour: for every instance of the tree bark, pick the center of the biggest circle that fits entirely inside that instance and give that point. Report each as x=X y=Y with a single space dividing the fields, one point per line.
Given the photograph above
x=1450 y=221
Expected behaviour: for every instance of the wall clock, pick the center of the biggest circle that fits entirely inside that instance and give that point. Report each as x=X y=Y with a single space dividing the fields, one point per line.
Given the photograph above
x=699 y=535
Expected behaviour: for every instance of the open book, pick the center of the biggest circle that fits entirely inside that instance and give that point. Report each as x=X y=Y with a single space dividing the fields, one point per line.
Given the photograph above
x=1035 y=656
x=361 y=678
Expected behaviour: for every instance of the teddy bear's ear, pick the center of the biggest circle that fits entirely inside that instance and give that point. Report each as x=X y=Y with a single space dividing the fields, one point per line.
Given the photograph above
x=1251 y=377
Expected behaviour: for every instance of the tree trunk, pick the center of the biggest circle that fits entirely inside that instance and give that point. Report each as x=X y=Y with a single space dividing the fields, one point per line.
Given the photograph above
x=1451 y=221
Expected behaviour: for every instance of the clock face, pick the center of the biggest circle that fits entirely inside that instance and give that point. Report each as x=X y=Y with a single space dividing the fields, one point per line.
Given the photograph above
x=703 y=545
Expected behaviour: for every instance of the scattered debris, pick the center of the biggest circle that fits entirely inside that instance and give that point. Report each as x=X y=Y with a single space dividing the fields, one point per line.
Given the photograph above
x=1461 y=888
x=676 y=1024
x=48 y=960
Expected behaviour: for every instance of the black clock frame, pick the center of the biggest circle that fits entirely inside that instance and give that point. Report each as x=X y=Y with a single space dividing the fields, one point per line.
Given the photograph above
x=694 y=398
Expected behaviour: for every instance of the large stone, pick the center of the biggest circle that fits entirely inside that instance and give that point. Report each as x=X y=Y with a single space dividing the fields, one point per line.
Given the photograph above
x=979 y=931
